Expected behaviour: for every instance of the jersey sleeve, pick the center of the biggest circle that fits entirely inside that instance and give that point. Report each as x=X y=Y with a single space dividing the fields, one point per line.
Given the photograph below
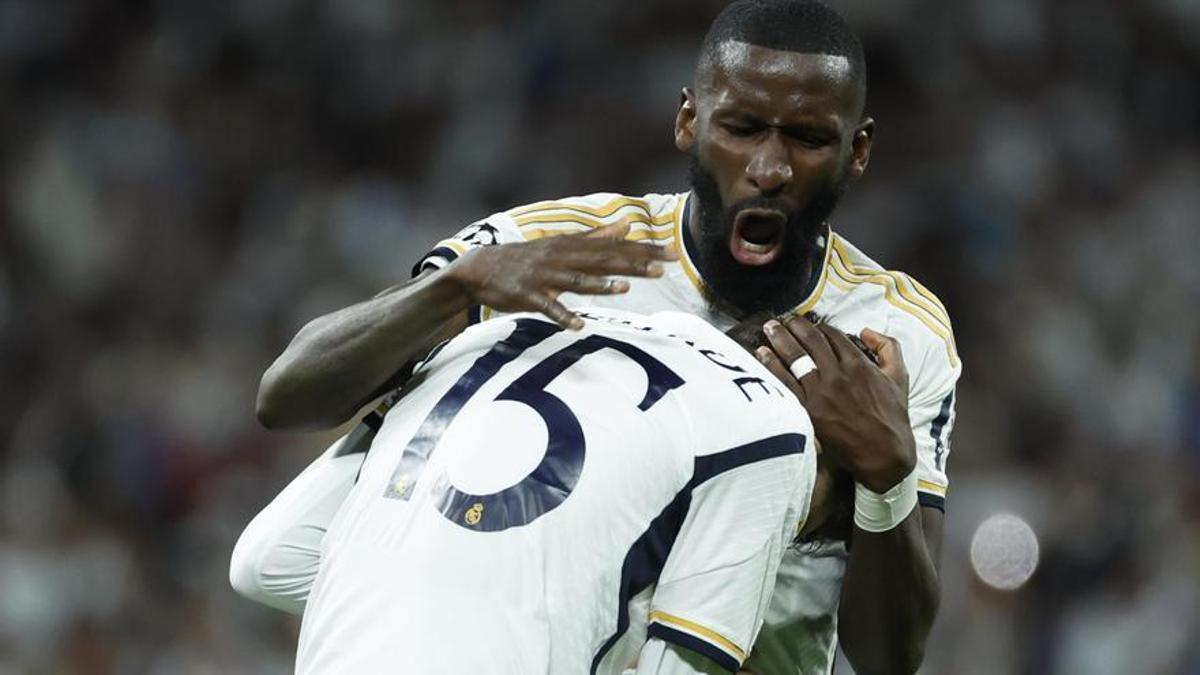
x=931 y=413
x=746 y=506
x=278 y=555
x=498 y=228
x=649 y=219
x=663 y=658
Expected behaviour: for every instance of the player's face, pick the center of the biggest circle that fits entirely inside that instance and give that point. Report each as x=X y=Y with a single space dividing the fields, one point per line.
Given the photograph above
x=774 y=137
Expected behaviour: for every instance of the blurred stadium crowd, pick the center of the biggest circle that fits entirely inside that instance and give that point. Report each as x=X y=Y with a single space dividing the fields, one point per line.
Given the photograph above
x=184 y=184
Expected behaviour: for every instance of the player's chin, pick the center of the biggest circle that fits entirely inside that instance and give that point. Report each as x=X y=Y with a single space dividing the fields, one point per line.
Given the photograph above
x=757 y=294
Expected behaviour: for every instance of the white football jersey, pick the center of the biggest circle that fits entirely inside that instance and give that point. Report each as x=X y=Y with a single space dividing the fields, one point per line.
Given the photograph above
x=534 y=481
x=852 y=292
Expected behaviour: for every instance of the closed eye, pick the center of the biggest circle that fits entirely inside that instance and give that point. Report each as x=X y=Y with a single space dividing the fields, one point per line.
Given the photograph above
x=809 y=137
x=740 y=129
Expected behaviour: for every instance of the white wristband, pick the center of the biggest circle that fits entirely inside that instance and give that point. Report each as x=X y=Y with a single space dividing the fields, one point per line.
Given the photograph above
x=876 y=512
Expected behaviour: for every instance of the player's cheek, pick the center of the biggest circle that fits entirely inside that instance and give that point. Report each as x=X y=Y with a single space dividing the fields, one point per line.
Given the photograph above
x=815 y=170
x=729 y=161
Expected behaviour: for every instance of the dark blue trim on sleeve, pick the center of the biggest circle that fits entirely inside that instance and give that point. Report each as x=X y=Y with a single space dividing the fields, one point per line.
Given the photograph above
x=439 y=252
x=710 y=466
x=932 y=501
x=689 y=641
x=644 y=563
x=360 y=437
x=648 y=555
x=475 y=315
x=935 y=430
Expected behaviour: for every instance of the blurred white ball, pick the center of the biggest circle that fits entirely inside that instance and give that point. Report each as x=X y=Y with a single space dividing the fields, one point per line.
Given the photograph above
x=1004 y=551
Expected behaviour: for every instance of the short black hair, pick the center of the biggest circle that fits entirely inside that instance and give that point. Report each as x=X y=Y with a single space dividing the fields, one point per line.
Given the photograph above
x=748 y=332
x=802 y=26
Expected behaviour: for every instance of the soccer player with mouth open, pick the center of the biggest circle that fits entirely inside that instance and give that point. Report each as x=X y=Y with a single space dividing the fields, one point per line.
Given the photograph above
x=775 y=129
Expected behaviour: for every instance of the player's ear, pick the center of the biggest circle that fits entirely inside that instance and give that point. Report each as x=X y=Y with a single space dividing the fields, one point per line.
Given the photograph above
x=685 y=120
x=861 y=147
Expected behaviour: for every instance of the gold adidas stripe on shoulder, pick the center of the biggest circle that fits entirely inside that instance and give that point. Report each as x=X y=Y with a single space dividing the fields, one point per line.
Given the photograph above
x=928 y=294
x=836 y=280
x=937 y=311
x=896 y=293
x=908 y=288
x=891 y=295
x=535 y=233
x=605 y=211
x=593 y=223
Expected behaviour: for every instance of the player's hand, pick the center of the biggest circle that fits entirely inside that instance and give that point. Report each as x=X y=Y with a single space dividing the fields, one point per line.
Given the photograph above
x=859 y=409
x=529 y=277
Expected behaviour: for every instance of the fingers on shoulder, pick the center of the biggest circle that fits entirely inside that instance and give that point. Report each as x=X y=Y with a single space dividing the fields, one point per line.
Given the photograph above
x=887 y=348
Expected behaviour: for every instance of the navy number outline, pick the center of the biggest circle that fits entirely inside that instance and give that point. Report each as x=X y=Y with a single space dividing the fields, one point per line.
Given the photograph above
x=556 y=475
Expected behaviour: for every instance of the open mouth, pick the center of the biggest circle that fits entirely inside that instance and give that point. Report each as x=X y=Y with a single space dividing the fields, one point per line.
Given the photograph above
x=757 y=237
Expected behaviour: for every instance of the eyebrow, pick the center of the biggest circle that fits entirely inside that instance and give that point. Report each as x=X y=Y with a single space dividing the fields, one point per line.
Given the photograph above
x=810 y=123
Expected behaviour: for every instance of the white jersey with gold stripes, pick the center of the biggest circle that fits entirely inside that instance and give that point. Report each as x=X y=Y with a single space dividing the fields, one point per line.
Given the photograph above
x=544 y=501
x=853 y=292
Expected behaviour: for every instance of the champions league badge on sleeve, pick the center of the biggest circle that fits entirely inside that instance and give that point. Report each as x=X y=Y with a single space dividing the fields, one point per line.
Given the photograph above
x=479 y=234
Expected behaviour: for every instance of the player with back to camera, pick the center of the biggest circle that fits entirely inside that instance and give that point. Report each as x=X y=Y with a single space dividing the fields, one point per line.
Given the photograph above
x=553 y=501
x=775 y=130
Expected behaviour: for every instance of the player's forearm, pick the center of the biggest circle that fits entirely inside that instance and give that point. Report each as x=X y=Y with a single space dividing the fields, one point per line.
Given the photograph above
x=276 y=559
x=890 y=597
x=340 y=361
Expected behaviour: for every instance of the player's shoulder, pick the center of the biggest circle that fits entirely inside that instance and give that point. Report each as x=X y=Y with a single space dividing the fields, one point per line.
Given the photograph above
x=651 y=217
x=915 y=315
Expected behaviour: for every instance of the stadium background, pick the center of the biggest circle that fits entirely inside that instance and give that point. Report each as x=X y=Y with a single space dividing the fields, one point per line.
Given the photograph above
x=183 y=184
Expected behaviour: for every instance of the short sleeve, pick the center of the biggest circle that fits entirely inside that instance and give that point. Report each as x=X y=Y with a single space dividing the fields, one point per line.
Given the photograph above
x=746 y=505
x=496 y=229
x=931 y=413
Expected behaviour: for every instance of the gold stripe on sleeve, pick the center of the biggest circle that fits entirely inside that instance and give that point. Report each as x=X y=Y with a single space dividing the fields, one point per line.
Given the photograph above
x=926 y=293
x=604 y=211
x=841 y=283
x=684 y=261
x=707 y=633
x=893 y=294
x=934 y=312
x=930 y=486
x=592 y=223
x=454 y=245
x=535 y=233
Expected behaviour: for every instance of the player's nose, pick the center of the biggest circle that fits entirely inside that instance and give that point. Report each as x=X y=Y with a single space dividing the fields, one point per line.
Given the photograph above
x=769 y=169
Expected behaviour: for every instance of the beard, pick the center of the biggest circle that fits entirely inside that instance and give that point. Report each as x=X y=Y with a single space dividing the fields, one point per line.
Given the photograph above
x=774 y=288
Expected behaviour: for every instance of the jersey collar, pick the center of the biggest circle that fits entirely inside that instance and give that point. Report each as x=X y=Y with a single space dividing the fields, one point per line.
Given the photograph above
x=687 y=249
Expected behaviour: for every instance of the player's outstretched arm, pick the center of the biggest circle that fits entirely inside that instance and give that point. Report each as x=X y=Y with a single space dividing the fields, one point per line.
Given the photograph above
x=341 y=361
x=890 y=593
